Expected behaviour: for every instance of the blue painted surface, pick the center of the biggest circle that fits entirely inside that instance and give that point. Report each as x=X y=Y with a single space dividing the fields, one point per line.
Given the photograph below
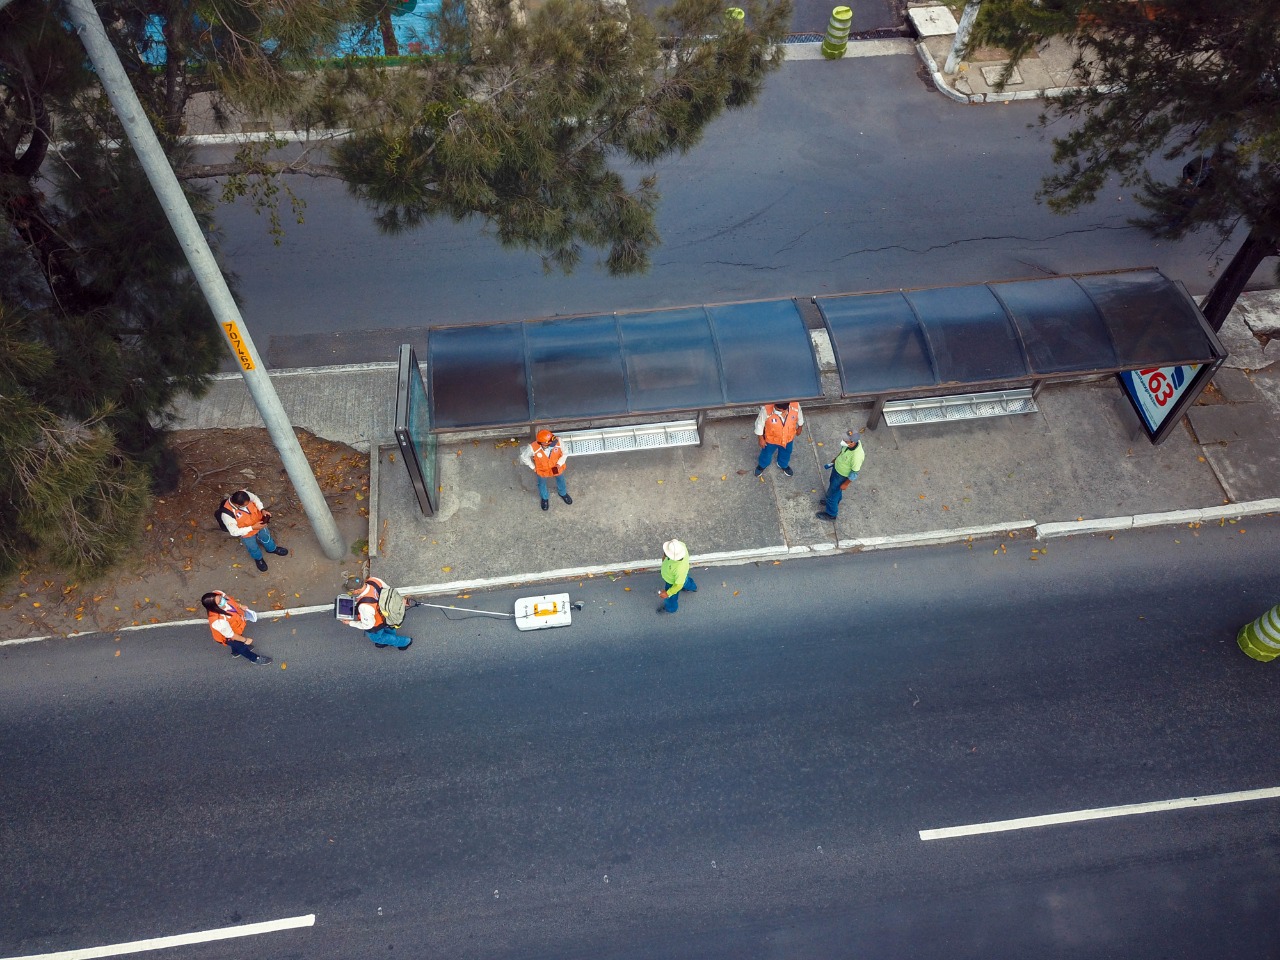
x=411 y=27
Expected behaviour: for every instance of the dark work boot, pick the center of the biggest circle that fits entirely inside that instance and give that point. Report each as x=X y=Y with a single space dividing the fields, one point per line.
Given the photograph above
x=546 y=504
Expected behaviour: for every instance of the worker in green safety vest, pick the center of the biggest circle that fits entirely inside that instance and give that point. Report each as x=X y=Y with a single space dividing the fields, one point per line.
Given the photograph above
x=675 y=574
x=844 y=470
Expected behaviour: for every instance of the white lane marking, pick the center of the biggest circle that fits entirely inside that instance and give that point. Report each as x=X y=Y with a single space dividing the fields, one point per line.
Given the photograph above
x=180 y=940
x=1099 y=813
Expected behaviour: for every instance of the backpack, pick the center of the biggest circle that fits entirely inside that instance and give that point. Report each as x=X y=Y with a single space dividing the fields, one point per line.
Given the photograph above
x=392 y=604
x=218 y=514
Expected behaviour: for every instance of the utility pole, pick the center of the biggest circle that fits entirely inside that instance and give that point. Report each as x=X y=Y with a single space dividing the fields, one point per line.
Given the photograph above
x=962 y=36
x=165 y=184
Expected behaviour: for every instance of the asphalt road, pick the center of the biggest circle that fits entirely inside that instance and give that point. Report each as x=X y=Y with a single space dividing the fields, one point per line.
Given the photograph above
x=746 y=779
x=847 y=176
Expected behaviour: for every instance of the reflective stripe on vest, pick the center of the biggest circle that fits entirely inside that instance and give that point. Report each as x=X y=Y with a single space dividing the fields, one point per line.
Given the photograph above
x=233 y=615
x=780 y=429
x=548 y=461
x=248 y=512
x=369 y=594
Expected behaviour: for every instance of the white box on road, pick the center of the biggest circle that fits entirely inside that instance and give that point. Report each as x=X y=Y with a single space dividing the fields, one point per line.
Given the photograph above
x=539 y=613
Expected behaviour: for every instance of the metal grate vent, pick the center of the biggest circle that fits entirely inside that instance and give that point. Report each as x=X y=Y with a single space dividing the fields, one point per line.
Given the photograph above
x=645 y=436
x=971 y=406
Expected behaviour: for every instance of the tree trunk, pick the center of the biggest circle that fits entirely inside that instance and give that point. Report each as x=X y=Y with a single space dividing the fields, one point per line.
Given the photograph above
x=389 y=45
x=1231 y=282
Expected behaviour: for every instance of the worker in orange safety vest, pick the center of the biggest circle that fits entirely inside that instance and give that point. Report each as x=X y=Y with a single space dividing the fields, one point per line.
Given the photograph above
x=777 y=426
x=228 y=620
x=546 y=458
x=242 y=515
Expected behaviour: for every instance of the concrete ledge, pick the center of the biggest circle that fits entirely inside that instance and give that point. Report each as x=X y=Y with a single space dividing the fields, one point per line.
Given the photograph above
x=1047 y=531
x=1251 y=508
x=935 y=74
x=1163 y=519
x=937 y=536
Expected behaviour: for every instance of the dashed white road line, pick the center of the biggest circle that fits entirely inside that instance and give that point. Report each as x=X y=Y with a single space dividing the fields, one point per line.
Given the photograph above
x=1099 y=813
x=180 y=940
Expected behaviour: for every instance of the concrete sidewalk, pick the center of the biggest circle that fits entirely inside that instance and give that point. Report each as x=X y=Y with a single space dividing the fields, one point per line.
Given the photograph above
x=1081 y=463
x=1045 y=71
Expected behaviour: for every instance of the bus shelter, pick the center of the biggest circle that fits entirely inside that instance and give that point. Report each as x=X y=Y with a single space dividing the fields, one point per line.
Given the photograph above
x=944 y=351
x=967 y=341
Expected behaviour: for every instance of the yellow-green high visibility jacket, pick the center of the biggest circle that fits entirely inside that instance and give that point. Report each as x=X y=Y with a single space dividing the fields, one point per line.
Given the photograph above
x=675 y=572
x=850 y=460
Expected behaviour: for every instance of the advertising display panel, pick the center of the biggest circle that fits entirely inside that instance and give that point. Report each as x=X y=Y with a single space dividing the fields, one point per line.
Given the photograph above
x=413 y=431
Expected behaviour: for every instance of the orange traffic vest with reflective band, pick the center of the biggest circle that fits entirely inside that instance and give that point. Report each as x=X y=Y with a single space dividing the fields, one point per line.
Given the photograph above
x=781 y=429
x=548 y=461
x=369 y=594
x=233 y=615
x=245 y=516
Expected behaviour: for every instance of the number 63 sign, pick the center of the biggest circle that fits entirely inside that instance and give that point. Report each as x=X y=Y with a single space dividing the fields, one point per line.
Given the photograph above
x=1155 y=392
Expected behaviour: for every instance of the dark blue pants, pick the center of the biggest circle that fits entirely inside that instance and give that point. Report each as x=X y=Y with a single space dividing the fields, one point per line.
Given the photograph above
x=835 y=494
x=672 y=601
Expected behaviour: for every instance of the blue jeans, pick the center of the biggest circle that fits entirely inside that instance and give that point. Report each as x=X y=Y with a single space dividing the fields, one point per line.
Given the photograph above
x=560 y=487
x=834 y=493
x=672 y=601
x=784 y=455
x=387 y=634
x=263 y=536
x=244 y=650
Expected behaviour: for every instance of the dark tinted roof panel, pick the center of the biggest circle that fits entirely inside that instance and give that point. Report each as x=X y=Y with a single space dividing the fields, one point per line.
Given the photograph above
x=1152 y=321
x=575 y=368
x=766 y=352
x=478 y=375
x=878 y=343
x=970 y=334
x=670 y=360
x=1061 y=328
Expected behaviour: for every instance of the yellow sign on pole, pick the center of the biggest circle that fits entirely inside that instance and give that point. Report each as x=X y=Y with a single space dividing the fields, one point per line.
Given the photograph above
x=237 y=344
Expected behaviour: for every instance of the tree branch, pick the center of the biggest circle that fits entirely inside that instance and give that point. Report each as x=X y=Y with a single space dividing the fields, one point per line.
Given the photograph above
x=204 y=171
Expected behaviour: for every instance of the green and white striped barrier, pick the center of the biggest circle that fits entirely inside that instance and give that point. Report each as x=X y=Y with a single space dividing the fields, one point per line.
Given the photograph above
x=1261 y=639
x=837 y=39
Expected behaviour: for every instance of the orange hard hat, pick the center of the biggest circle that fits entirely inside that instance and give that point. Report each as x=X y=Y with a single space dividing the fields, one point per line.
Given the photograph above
x=545 y=436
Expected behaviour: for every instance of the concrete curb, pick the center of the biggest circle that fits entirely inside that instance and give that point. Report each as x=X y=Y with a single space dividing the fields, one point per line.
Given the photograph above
x=939 y=81
x=1230 y=511
x=728 y=558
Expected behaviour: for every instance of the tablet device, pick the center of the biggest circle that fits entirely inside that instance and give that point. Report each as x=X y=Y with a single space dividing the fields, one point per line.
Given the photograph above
x=344 y=608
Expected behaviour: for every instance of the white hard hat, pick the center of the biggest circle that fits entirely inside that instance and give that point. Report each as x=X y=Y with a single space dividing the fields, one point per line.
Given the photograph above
x=675 y=549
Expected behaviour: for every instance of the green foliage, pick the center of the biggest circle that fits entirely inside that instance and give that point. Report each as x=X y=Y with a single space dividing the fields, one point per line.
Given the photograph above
x=70 y=496
x=532 y=122
x=1181 y=79
x=525 y=122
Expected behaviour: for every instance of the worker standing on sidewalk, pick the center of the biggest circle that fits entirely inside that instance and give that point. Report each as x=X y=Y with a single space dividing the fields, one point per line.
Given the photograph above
x=546 y=457
x=241 y=515
x=675 y=574
x=228 y=620
x=844 y=470
x=777 y=426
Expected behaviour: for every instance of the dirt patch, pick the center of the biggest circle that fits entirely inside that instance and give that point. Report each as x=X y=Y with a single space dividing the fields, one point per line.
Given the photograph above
x=182 y=555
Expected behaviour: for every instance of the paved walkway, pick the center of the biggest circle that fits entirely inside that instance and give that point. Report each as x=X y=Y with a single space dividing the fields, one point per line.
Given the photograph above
x=1079 y=464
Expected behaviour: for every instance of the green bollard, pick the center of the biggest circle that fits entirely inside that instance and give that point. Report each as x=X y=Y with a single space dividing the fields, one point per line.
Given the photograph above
x=837 y=39
x=1261 y=639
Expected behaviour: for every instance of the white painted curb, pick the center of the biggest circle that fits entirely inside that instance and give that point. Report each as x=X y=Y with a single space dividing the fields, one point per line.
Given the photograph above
x=1043 y=531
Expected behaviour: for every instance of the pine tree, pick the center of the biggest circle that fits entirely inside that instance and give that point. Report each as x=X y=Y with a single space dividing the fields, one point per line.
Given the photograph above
x=527 y=120
x=1191 y=80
